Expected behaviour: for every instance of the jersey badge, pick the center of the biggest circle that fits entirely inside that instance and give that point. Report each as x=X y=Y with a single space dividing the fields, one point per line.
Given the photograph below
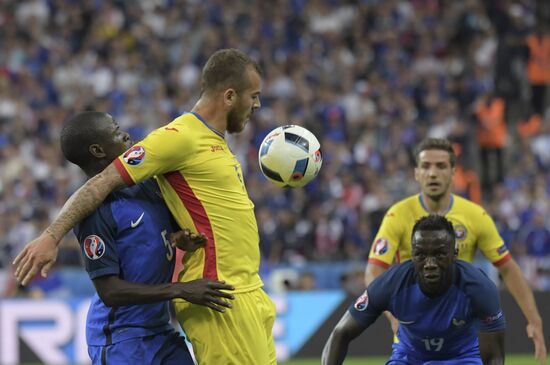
x=460 y=232
x=458 y=322
x=362 y=302
x=94 y=247
x=134 y=156
x=380 y=246
x=502 y=249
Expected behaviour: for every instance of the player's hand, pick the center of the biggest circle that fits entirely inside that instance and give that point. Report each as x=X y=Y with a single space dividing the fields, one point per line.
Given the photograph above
x=39 y=255
x=534 y=332
x=187 y=241
x=206 y=292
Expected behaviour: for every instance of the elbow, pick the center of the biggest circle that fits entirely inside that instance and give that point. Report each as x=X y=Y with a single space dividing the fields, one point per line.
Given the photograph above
x=108 y=298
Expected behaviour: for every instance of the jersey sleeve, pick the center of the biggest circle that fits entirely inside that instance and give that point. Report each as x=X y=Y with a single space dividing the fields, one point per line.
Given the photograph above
x=163 y=150
x=486 y=305
x=386 y=242
x=374 y=300
x=489 y=240
x=97 y=238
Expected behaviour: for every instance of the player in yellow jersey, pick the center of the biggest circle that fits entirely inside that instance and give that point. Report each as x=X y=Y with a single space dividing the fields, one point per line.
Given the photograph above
x=474 y=228
x=202 y=184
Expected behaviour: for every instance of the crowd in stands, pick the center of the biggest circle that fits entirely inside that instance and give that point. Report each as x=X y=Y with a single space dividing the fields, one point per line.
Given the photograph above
x=370 y=78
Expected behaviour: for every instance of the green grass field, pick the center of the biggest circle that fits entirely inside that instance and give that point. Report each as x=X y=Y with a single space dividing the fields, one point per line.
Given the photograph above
x=510 y=360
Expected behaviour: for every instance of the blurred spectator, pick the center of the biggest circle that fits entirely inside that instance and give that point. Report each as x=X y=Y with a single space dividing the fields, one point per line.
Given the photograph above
x=369 y=78
x=538 y=66
x=492 y=133
x=534 y=241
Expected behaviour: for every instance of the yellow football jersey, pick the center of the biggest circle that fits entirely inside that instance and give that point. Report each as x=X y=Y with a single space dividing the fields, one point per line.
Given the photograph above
x=202 y=184
x=474 y=228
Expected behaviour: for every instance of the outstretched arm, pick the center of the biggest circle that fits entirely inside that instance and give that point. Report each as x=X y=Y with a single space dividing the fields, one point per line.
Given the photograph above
x=491 y=347
x=41 y=253
x=518 y=287
x=115 y=292
x=336 y=347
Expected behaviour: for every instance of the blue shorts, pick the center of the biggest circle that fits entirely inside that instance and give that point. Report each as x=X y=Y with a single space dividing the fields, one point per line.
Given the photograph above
x=164 y=348
x=402 y=358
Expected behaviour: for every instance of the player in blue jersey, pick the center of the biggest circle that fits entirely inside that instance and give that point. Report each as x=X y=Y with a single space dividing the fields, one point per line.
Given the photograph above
x=443 y=306
x=127 y=245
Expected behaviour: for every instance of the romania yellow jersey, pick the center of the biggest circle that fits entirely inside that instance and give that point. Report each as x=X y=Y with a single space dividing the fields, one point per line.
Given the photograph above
x=202 y=184
x=474 y=228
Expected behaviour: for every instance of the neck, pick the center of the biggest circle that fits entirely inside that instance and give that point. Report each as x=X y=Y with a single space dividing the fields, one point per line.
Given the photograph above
x=211 y=113
x=440 y=206
x=95 y=169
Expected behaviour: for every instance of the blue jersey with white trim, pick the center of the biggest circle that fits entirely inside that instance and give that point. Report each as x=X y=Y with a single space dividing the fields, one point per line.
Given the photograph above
x=444 y=327
x=127 y=236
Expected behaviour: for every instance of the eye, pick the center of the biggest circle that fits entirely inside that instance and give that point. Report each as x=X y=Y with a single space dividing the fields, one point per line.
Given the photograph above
x=440 y=256
x=420 y=256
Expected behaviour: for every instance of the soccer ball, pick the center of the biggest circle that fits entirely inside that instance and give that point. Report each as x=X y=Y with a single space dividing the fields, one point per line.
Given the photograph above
x=290 y=156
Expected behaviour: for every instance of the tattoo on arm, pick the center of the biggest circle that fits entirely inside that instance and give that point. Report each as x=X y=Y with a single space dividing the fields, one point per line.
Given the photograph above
x=84 y=201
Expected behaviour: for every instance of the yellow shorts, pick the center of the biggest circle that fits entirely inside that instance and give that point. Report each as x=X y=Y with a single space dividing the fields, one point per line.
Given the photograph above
x=240 y=336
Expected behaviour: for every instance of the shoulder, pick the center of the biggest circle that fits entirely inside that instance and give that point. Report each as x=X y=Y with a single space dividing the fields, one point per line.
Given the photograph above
x=468 y=206
x=403 y=207
x=472 y=280
x=397 y=277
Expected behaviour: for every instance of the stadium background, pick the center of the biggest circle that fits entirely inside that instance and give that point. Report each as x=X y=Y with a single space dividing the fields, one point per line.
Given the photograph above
x=370 y=78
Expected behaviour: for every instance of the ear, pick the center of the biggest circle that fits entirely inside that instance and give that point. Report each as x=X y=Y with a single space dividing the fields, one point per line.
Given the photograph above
x=230 y=97
x=416 y=174
x=96 y=150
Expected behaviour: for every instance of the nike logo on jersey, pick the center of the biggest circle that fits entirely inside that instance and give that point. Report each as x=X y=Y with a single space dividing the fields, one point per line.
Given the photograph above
x=135 y=224
x=405 y=322
x=458 y=322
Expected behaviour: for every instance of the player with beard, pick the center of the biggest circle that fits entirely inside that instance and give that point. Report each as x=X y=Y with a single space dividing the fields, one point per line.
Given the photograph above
x=435 y=161
x=202 y=184
x=444 y=306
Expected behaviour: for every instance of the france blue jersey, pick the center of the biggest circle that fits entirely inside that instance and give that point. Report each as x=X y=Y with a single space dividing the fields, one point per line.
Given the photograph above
x=438 y=328
x=127 y=236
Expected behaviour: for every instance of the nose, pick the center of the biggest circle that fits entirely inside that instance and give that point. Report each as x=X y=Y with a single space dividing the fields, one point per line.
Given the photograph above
x=430 y=263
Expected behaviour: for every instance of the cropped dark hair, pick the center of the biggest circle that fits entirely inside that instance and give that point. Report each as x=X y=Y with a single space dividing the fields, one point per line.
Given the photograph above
x=226 y=69
x=434 y=222
x=435 y=144
x=78 y=133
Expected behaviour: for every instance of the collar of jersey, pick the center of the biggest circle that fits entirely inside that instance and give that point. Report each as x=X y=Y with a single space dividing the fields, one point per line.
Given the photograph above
x=451 y=202
x=208 y=125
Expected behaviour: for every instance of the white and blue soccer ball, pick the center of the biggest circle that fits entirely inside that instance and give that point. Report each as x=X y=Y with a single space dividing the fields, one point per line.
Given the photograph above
x=290 y=156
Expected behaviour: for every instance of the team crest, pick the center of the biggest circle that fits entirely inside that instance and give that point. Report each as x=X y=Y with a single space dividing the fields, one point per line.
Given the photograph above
x=460 y=232
x=362 y=302
x=380 y=246
x=134 y=156
x=94 y=247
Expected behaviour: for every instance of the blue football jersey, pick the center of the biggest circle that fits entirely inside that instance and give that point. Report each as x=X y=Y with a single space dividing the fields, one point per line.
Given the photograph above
x=127 y=236
x=444 y=327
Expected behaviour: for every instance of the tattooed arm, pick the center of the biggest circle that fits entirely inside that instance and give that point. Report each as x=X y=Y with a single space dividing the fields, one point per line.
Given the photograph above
x=41 y=253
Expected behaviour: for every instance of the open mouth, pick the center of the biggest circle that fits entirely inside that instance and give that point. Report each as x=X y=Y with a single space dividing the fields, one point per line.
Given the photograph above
x=432 y=277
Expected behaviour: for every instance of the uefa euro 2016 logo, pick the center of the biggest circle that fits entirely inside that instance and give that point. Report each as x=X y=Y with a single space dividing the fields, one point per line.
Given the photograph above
x=94 y=247
x=134 y=156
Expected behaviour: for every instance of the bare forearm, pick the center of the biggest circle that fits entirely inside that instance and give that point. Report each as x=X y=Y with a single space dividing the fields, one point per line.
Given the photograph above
x=335 y=350
x=85 y=201
x=519 y=288
x=128 y=293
